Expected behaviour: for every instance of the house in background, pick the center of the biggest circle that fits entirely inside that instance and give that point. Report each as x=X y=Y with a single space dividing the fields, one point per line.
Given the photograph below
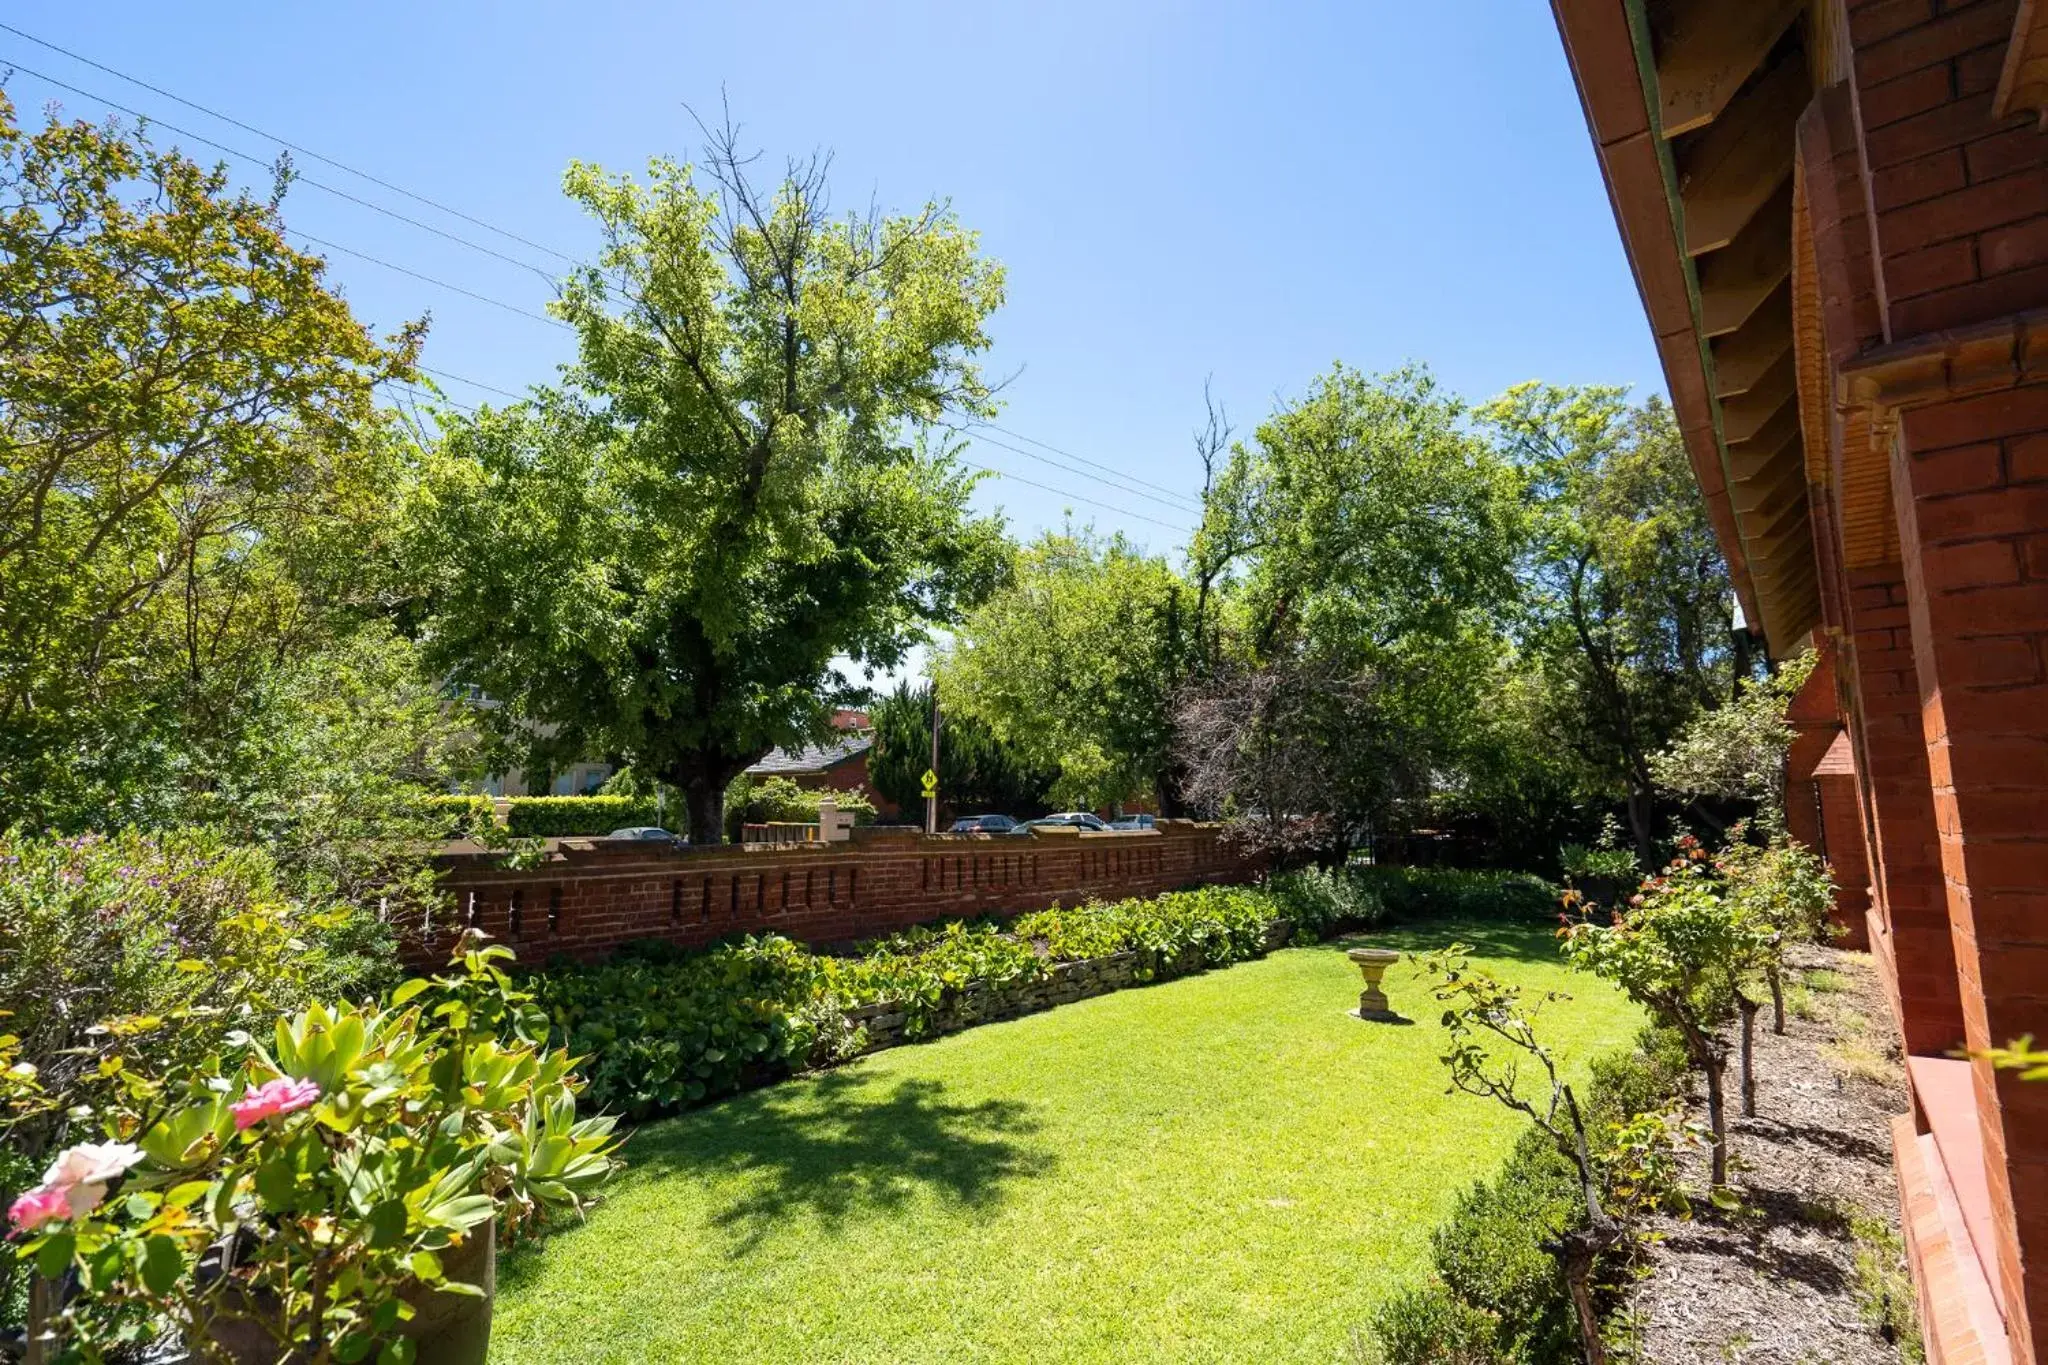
x=840 y=764
x=1837 y=212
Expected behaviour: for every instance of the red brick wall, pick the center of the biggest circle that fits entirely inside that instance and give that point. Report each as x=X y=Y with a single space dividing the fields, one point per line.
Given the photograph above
x=1892 y=761
x=588 y=898
x=1961 y=203
x=1972 y=479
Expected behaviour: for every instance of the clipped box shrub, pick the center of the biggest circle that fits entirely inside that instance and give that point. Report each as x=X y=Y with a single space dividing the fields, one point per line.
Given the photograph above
x=561 y=817
x=460 y=816
x=1411 y=893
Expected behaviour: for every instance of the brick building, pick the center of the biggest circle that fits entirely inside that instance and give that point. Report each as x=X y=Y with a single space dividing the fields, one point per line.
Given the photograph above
x=1837 y=214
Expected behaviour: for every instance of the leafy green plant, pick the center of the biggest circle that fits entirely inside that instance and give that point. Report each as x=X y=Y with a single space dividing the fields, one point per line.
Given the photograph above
x=1679 y=950
x=665 y=1028
x=367 y=1144
x=750 y=802
x=1413 y=893
x=461 y=816
x=567 y=816
x=1319 y=900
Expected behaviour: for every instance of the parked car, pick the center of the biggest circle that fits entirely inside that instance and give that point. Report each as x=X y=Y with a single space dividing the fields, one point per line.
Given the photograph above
x=983 y=824
x=647 y=833
x=1074 y=819
x=1139 y=821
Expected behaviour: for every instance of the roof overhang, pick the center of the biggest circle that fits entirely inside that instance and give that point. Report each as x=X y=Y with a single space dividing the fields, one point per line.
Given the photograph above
x=1693 y=106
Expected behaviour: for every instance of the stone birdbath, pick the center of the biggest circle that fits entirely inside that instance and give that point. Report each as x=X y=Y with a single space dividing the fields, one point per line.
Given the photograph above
x=1372 y=1001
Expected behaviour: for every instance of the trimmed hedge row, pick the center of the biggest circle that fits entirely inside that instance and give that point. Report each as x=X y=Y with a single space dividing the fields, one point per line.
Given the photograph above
x=665 y=1028
x=565 y=816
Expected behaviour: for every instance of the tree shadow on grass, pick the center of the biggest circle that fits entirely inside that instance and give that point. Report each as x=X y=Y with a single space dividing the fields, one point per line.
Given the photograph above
x=846 y=1146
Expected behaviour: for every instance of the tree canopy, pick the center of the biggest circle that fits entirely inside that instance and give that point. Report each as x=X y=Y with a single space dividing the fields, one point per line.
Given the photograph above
x=659 y=558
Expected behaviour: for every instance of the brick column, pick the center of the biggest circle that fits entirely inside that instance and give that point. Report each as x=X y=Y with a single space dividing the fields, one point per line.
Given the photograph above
x=1905 y=850
x=1971 y=476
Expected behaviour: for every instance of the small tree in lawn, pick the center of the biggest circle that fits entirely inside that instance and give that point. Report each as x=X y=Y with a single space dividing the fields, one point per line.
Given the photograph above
x=1678 y=950
x=1478 y=1007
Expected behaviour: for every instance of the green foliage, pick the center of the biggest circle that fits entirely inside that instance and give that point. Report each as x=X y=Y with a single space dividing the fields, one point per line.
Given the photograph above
x=1370 y=538
x=120 y=948
x=1414 y=893
x=664 y=1028
x=366 y=1147
x=1068 y=666
x=563 y=816
x=1626 y=600
x=663 y=556
x=196 y=483
x=1739 y=750
x=1885 y=1295
x=1433 y=1326
x=978 y=773
x=778 y=798
x=1492 y=1251
x=460 y=817
x=1320 y=900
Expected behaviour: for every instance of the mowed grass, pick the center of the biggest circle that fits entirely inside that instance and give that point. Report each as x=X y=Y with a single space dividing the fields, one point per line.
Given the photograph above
x=1222 y=1168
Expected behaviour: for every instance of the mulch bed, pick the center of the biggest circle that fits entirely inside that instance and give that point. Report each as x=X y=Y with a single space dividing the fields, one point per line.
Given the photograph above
x=1777 y=1283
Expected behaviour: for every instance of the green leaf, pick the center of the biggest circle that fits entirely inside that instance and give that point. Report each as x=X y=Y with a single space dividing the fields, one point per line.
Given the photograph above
x=163 y=1264
x=406 y=990
x=53 y=1257
x=426 y=1266
x=387 y=1223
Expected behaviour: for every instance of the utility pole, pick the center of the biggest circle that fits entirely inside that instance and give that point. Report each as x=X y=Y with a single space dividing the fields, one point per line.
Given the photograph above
x=931 y=775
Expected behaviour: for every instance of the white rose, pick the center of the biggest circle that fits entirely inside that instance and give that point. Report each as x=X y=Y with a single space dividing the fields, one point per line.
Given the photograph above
x=92 y=1163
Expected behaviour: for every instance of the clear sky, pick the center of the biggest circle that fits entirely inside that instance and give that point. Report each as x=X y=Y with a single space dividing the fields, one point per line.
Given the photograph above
x=1248 y=192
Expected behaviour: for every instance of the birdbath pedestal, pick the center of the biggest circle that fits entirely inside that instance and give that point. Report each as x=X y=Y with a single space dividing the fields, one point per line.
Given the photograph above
x=1372 y=965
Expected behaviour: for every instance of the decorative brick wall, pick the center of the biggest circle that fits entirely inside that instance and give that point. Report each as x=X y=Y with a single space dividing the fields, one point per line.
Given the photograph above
x=590 y=897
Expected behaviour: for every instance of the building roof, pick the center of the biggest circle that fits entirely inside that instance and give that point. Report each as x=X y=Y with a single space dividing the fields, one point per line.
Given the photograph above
x=785 y=763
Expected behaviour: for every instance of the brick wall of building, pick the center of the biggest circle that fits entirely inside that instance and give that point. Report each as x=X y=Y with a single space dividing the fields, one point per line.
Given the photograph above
x=588 y=898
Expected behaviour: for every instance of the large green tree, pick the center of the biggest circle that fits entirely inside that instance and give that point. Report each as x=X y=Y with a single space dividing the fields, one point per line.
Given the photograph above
x=1071 y=666
x=192 y=471
x=1366 y=539
x=1628 y=604
x=978 y=773
x=661 y=557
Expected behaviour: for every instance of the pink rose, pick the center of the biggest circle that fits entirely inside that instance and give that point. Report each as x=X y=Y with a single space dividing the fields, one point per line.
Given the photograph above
x=281 y=1096
x=38 y=1207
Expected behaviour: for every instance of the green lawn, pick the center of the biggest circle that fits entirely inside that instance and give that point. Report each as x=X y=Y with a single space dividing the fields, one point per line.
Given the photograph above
x=1223 y=1168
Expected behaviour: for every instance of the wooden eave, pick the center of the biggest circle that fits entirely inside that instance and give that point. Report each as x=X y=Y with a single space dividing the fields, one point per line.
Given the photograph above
x=2023 y=79
x=1692 y=105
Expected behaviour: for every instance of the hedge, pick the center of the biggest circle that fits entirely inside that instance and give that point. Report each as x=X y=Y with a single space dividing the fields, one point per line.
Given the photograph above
x=564 y=816
x=664 y=1028
x=460 y=816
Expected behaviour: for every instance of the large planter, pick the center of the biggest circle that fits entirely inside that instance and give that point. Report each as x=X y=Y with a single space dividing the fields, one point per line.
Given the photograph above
x=448 y=1329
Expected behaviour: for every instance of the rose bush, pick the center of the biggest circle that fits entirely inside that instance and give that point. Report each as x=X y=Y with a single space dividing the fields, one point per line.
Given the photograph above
x=366 y=1144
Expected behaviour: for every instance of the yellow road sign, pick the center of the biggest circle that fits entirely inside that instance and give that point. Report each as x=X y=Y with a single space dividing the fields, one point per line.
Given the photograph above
x=931 y=783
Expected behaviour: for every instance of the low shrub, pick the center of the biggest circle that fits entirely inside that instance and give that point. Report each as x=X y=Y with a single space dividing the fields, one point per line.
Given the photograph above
x=461 y=816
x=752 y=802
x=1497 y=1295
x=564 y=817
x=665 y=1028
x=1432 y=1326
x=1412 y=893
x=1320 y=900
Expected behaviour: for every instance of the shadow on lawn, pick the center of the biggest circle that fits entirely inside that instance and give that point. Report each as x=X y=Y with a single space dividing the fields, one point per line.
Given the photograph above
x=847 y=1145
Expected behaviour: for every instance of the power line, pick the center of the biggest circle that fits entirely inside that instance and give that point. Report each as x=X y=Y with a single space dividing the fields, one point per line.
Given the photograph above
x=292 y=146
x=255 y=160
x=1172 y=500
x=473 y=383
x=1177 y=506
x=429 y=279
x=1046 y=445
x=1061 y=492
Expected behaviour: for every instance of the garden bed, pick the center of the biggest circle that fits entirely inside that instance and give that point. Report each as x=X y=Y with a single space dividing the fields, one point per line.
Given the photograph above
x=1809 y=1270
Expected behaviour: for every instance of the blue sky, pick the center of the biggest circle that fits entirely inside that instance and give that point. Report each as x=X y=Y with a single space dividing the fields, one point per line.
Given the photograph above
x=1247 y=192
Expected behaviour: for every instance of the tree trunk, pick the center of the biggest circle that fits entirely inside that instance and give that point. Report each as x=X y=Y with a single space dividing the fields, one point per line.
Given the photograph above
x=1777 y=980
x=1749 y=1010
x=1639 y=814
x=704 y=801
x=1717 y=1119
x=1578 y=1278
